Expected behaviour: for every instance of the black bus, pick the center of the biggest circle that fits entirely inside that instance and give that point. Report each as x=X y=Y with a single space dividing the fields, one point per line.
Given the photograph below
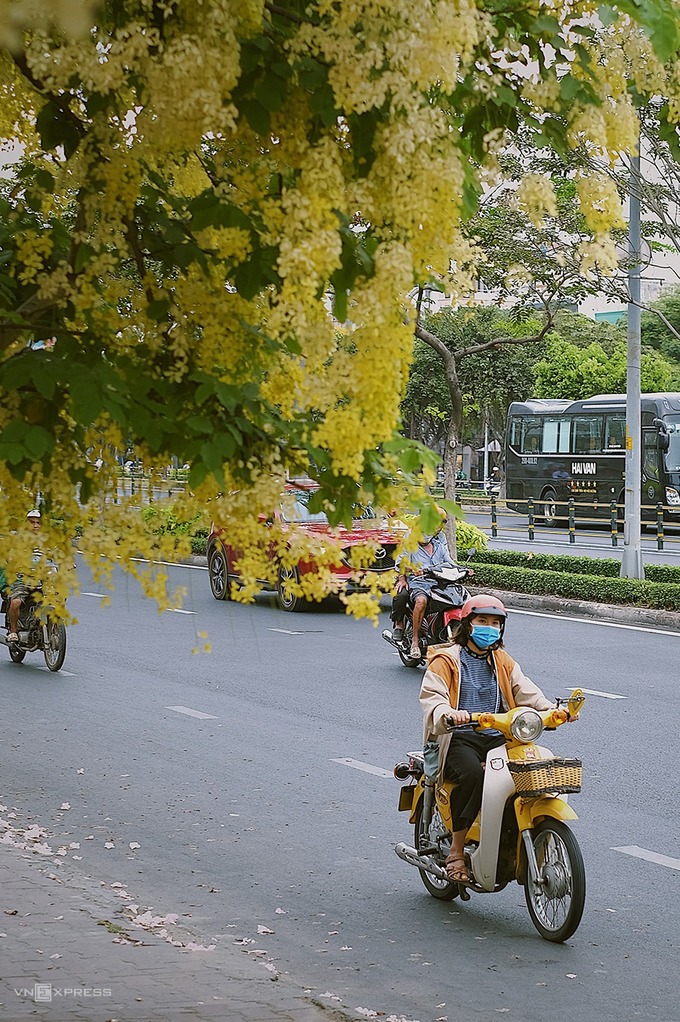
x=557 y=450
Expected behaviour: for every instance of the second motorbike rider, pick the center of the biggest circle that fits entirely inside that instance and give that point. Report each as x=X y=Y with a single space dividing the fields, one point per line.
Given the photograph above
x=431 y=552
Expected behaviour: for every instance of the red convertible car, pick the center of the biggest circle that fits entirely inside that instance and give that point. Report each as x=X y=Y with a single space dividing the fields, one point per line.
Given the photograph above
x=294 y=515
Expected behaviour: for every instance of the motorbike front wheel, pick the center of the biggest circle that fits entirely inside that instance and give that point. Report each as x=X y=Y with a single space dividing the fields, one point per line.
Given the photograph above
x=55 y=650
x=556 y=906
x=440 y=889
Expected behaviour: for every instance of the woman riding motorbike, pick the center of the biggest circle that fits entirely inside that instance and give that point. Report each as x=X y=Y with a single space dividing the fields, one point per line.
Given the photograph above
x=473 y=674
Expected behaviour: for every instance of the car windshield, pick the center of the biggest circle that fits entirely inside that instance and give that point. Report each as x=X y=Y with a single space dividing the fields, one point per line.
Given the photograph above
x=295 y=509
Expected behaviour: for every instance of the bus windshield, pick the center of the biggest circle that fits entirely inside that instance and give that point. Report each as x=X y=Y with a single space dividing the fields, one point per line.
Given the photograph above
x=673 y=452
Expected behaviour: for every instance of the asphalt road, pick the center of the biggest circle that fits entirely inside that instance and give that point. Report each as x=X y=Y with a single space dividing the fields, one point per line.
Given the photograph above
x=277 y=808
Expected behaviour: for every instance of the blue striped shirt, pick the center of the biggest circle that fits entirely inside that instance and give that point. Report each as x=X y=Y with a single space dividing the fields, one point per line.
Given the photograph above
x=479 y=691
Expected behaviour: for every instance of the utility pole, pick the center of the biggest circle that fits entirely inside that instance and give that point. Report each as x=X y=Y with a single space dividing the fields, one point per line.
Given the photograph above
x=631 y=564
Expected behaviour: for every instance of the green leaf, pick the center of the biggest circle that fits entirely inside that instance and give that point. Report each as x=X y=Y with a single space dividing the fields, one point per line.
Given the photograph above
x=158 y=310
x=83 y=255
x=257 y=116
x=45 y=181
x=38 y=441
x=340 y=305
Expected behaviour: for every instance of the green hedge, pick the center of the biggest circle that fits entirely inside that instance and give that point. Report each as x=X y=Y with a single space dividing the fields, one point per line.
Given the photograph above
x=607 y=567
x=574 y=586
x=199 y=543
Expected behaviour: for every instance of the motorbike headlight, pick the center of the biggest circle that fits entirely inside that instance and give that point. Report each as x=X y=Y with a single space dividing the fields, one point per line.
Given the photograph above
x=527 y=726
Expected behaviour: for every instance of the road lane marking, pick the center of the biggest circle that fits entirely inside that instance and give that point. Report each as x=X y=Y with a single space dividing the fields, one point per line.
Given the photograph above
x=171 y=564
x=179 y=610
x=366 y=767
x=644 y=853
x=192 y=713
x=285 y=631
x=98 y=596
x=604 y=695
x=590 y=621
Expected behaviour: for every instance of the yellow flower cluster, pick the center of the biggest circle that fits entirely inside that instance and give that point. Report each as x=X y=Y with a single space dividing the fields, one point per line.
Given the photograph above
x=600 y=203
x=536 y=196
x=32 y=251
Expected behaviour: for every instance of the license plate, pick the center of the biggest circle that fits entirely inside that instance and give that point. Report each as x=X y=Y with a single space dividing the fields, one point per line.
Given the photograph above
x=406 y=798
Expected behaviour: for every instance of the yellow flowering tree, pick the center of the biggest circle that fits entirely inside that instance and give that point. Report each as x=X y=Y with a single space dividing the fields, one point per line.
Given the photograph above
x=205 y=189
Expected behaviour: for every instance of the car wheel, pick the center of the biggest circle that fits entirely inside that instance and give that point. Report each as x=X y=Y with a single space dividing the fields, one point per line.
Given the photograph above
x=218 y=572
x=286 y=600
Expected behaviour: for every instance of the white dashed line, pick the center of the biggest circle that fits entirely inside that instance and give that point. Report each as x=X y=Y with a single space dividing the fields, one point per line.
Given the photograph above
x=604 y=695
x=179 y=610
x=366 y=767
x=644 y=853
x=98 y=596
x=192 y=713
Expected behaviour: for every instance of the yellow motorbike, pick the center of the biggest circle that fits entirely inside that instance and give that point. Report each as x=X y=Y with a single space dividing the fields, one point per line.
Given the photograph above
x=521 y=831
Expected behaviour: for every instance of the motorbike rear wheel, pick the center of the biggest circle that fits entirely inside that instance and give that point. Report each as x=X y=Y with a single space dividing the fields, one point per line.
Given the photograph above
x=16 y=655
x=55 y=650
x=557 y=908
x=437 y=888
x=404 y=647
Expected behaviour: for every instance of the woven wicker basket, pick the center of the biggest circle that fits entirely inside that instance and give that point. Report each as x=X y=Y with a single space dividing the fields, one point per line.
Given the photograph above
x=546 y=776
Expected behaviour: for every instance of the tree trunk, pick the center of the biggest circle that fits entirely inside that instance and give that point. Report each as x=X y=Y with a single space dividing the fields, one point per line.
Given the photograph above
x=454 y=427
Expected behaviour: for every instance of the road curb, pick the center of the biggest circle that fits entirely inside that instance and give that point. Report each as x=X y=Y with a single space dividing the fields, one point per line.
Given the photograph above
x=625 y=615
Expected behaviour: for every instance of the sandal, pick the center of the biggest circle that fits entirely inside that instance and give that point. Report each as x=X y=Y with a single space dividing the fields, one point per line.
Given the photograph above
x=456 y=871
x=415 y=653
x=12 y=637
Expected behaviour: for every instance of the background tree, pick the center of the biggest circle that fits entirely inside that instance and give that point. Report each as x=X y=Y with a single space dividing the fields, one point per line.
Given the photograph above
x=195 y=178
x=660 y=326
x=489 y=381
x=575 y=373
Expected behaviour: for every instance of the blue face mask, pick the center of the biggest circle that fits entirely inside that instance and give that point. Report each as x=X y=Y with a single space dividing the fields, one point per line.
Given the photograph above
x=484 y=636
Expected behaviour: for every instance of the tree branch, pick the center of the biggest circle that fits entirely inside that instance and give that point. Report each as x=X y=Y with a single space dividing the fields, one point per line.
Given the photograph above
x=474 y=349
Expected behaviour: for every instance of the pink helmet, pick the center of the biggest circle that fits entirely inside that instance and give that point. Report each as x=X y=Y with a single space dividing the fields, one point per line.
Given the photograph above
x=483 y=604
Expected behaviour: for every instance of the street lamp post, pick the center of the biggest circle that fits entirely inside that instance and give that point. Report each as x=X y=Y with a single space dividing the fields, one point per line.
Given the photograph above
x=631 y=564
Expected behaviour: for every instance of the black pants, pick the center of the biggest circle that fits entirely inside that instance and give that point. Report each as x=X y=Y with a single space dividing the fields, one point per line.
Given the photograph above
x=399 y=604
x=463 y=765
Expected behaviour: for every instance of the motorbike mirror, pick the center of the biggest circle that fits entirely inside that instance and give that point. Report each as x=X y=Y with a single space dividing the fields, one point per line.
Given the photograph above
x=471 y=552
x=576 y=701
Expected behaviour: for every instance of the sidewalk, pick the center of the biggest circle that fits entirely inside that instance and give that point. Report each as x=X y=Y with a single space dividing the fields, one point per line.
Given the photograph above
x=67 y=953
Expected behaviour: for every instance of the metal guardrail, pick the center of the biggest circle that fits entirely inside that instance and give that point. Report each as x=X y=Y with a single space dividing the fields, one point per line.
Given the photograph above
x=569 y=512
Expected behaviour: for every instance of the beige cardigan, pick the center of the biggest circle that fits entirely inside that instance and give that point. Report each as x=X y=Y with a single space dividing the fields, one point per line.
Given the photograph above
x=441 y=685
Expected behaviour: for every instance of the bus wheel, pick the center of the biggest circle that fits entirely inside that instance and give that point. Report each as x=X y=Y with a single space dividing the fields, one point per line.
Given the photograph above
x=549 y=508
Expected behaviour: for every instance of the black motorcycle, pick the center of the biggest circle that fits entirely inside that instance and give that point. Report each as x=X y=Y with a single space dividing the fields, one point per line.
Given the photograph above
x=37 y=634
x=444 y=610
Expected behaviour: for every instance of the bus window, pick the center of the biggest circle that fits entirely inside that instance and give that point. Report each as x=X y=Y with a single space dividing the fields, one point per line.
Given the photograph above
x=587 y=434
x=556 y=436
x=615 y=433
x=516 y=433
x=532 y=436
x=650 y=455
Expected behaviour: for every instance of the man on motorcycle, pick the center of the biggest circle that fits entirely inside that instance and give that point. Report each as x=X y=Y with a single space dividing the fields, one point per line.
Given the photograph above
x=472 y=675
x=432 y=552
x=19 y=591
